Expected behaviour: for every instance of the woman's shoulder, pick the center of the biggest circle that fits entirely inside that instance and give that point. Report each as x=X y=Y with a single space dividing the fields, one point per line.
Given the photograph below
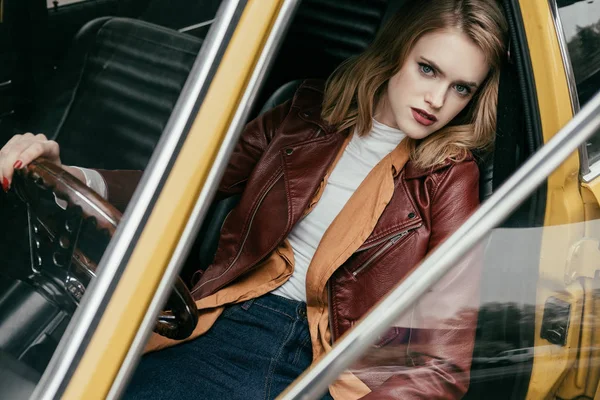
x=465 y=168
x=309 y=94
x=452 y=182
x=307 y=103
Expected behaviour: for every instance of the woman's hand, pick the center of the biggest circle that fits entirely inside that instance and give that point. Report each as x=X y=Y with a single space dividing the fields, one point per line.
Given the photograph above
x=20 y=150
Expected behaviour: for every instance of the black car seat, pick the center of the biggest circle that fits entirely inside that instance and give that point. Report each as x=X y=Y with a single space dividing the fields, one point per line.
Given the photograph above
x=190 y=16
x=323 y=34
x=114 y=93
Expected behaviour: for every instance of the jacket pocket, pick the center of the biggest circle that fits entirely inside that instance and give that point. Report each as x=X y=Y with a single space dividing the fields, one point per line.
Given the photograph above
x=388 y=244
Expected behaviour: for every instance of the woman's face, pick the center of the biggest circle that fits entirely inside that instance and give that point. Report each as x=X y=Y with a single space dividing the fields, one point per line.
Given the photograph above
x=438 y=79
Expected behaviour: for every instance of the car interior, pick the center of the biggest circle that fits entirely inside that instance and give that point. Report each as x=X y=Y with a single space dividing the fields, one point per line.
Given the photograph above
x=102 y=77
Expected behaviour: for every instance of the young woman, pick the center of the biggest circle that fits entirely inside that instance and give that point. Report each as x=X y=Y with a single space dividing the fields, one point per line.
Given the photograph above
x=345 y=188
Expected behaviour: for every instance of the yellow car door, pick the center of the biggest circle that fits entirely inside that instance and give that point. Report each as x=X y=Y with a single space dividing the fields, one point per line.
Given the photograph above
x=564 y=40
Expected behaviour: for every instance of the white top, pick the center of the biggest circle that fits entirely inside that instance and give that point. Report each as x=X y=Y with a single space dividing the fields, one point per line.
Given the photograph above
x=93 y=180
x=358 y=159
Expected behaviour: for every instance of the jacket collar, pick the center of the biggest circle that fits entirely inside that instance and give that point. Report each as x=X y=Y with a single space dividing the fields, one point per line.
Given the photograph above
x=310 y=104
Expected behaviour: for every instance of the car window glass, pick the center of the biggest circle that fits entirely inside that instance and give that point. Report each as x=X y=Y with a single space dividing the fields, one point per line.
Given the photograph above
x=475 y=330
x=581 y=27
x=104 y=92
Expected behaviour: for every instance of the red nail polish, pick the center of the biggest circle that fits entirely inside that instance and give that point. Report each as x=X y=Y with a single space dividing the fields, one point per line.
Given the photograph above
x=18 y=164
x=5 y=184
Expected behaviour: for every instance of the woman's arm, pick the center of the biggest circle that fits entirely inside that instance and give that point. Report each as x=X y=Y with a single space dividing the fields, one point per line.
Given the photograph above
x=253 y=142
x=255 y=137
x=119 y=185
x=437 y=358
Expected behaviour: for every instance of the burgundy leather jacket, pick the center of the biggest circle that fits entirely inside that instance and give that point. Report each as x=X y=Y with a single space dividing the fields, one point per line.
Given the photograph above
x=277 y=166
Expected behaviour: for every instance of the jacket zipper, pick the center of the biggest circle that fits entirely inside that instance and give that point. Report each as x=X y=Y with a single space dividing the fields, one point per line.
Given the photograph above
x=252 y=218
x=225 y=220
x=237 y=256
x=392 y=241
x=330 y=316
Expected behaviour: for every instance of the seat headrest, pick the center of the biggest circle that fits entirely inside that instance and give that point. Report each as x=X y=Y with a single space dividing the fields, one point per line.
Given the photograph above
x=281 y=95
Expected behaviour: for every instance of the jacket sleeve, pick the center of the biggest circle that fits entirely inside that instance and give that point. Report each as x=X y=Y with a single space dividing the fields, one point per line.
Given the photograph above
x=434 y=362
x=120 y=185
x=254 y=139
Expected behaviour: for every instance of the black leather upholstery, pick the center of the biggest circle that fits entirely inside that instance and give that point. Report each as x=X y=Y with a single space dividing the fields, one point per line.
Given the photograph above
x=17 y=380
x=341 y=29
x=285 y=92
x=324 y=33
x=116 y=92
x=174 y=14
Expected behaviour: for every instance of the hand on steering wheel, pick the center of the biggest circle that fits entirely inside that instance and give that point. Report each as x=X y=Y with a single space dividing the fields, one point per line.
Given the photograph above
x=21 y=150
x=39 y=169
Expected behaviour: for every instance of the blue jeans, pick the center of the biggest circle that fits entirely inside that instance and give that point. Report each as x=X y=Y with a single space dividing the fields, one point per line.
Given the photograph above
x=253 y=351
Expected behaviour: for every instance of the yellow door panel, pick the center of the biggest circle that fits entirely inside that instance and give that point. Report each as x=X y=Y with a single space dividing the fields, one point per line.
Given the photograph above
x=564 y=206
x=590 y=193
x=582 y=376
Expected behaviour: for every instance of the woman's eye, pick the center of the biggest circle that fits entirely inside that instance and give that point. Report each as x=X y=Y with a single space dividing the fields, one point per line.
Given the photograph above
x=426 y=69
x=462 y=90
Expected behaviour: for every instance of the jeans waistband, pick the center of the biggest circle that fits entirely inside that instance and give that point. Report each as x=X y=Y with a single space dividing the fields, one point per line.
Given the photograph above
x=292 y=308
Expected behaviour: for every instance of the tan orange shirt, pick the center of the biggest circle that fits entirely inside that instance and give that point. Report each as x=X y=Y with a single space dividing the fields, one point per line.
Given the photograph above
x=345 y=235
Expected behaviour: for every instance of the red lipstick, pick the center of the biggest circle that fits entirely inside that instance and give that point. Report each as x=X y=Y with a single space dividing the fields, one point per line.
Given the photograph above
x=423 y=117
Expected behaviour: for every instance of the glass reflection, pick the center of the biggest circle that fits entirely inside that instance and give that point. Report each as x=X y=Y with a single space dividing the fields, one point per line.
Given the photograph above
x=505 y=323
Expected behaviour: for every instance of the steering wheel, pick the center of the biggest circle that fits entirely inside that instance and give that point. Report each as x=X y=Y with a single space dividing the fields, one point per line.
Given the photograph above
x=55 y=253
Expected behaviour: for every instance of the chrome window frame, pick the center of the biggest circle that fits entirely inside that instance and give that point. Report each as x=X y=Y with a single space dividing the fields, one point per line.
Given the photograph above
x=587 y=171
x=202 y=204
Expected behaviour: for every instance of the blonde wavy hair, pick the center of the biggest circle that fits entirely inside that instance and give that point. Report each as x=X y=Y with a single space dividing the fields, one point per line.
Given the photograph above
x=354 y=89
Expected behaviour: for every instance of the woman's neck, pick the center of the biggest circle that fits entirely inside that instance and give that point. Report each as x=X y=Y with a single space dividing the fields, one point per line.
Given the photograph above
x=383 y=114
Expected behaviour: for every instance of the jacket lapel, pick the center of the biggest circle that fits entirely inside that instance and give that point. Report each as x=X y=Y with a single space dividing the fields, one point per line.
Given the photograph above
x=304 y=167
x=350 y=228
x=353 y=225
